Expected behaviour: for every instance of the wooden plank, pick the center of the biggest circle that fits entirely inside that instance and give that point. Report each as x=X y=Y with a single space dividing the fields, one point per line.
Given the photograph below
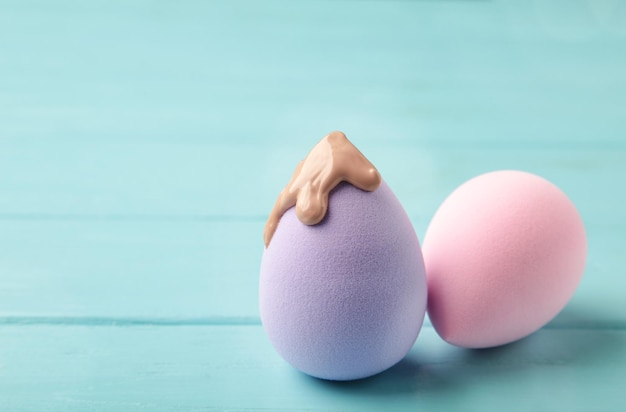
x=111 y=229
x=178 y=368
x=197 y=270
x=245 y=71
x=135 y=180
x=192 y=269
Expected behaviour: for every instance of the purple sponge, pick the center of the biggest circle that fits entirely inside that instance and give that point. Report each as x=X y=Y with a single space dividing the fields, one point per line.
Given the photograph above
x=344 y=299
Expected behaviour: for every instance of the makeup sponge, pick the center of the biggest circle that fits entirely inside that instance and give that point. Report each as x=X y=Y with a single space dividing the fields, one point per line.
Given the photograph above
x=504 y=253
x=344 y=299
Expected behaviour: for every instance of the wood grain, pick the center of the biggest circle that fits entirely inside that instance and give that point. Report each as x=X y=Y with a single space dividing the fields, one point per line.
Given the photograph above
x=179 y=368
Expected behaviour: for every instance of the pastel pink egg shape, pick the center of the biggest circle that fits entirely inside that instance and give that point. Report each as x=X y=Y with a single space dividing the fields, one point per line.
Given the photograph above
x=504 y=254
x=344 y=299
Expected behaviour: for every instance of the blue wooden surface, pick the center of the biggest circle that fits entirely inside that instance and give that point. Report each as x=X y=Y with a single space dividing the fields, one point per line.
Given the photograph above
x=143 y=143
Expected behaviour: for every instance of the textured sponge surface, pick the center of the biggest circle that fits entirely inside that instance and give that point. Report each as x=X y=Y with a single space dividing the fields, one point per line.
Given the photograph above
x=504 y=253
x=344 y=299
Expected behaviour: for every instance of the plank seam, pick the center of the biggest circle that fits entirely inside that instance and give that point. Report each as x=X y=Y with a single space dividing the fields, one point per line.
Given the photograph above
x=220 y=321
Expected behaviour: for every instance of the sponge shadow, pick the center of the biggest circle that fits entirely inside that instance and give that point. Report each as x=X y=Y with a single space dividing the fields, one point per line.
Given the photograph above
x=433 y=366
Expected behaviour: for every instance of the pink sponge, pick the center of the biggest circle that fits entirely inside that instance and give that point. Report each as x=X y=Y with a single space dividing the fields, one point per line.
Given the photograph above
x=504 y=253
x=344 y=299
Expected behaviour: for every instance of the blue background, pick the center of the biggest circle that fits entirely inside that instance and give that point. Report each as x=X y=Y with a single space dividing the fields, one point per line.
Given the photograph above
x=143 y=143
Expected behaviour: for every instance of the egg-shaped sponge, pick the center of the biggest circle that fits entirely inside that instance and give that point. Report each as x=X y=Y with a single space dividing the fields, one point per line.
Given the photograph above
x=344 y=299
x=504 y=253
